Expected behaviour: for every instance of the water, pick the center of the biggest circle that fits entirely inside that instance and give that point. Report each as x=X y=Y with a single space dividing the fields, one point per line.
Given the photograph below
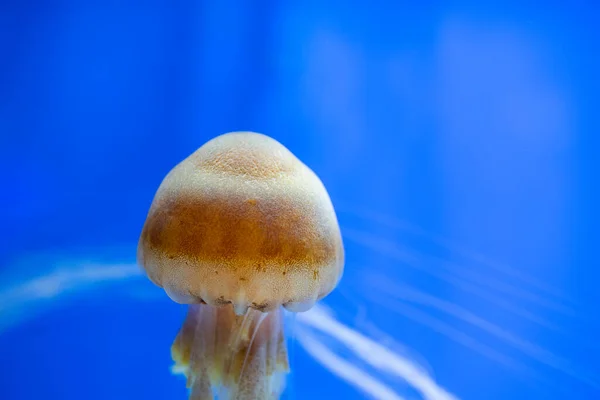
x=96 y=325
x=457 y=143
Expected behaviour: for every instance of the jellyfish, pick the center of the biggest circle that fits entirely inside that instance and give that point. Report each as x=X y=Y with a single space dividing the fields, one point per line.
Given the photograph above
x=238 y=231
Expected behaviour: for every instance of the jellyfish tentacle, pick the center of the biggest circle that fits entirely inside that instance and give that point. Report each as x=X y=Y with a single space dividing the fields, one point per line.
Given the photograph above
x=261 y=319
x=201 y=389
x=201 y=351
x=248 y=385
x=231 y=357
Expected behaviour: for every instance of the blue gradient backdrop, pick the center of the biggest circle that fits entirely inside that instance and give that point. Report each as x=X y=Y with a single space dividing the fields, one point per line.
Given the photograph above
x=472 y=122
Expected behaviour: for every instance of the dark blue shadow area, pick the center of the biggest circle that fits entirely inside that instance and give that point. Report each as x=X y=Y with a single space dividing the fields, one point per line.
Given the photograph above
x=67 y=345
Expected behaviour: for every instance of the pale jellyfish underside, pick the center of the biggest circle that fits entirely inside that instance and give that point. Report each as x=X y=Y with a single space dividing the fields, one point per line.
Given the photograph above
x=238 y=230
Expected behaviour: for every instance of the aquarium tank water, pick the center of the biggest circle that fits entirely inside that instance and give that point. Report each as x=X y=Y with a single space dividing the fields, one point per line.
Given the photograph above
x=457 y=143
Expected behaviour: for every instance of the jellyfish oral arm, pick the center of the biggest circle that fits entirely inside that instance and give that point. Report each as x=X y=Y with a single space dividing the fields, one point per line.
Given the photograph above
x=227 y=356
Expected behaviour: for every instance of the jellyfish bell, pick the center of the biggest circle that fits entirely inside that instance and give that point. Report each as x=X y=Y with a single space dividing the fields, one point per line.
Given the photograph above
x=237 y=230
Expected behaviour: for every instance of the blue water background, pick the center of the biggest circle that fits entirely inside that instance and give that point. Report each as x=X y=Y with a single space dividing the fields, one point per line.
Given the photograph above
x=458 y=144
